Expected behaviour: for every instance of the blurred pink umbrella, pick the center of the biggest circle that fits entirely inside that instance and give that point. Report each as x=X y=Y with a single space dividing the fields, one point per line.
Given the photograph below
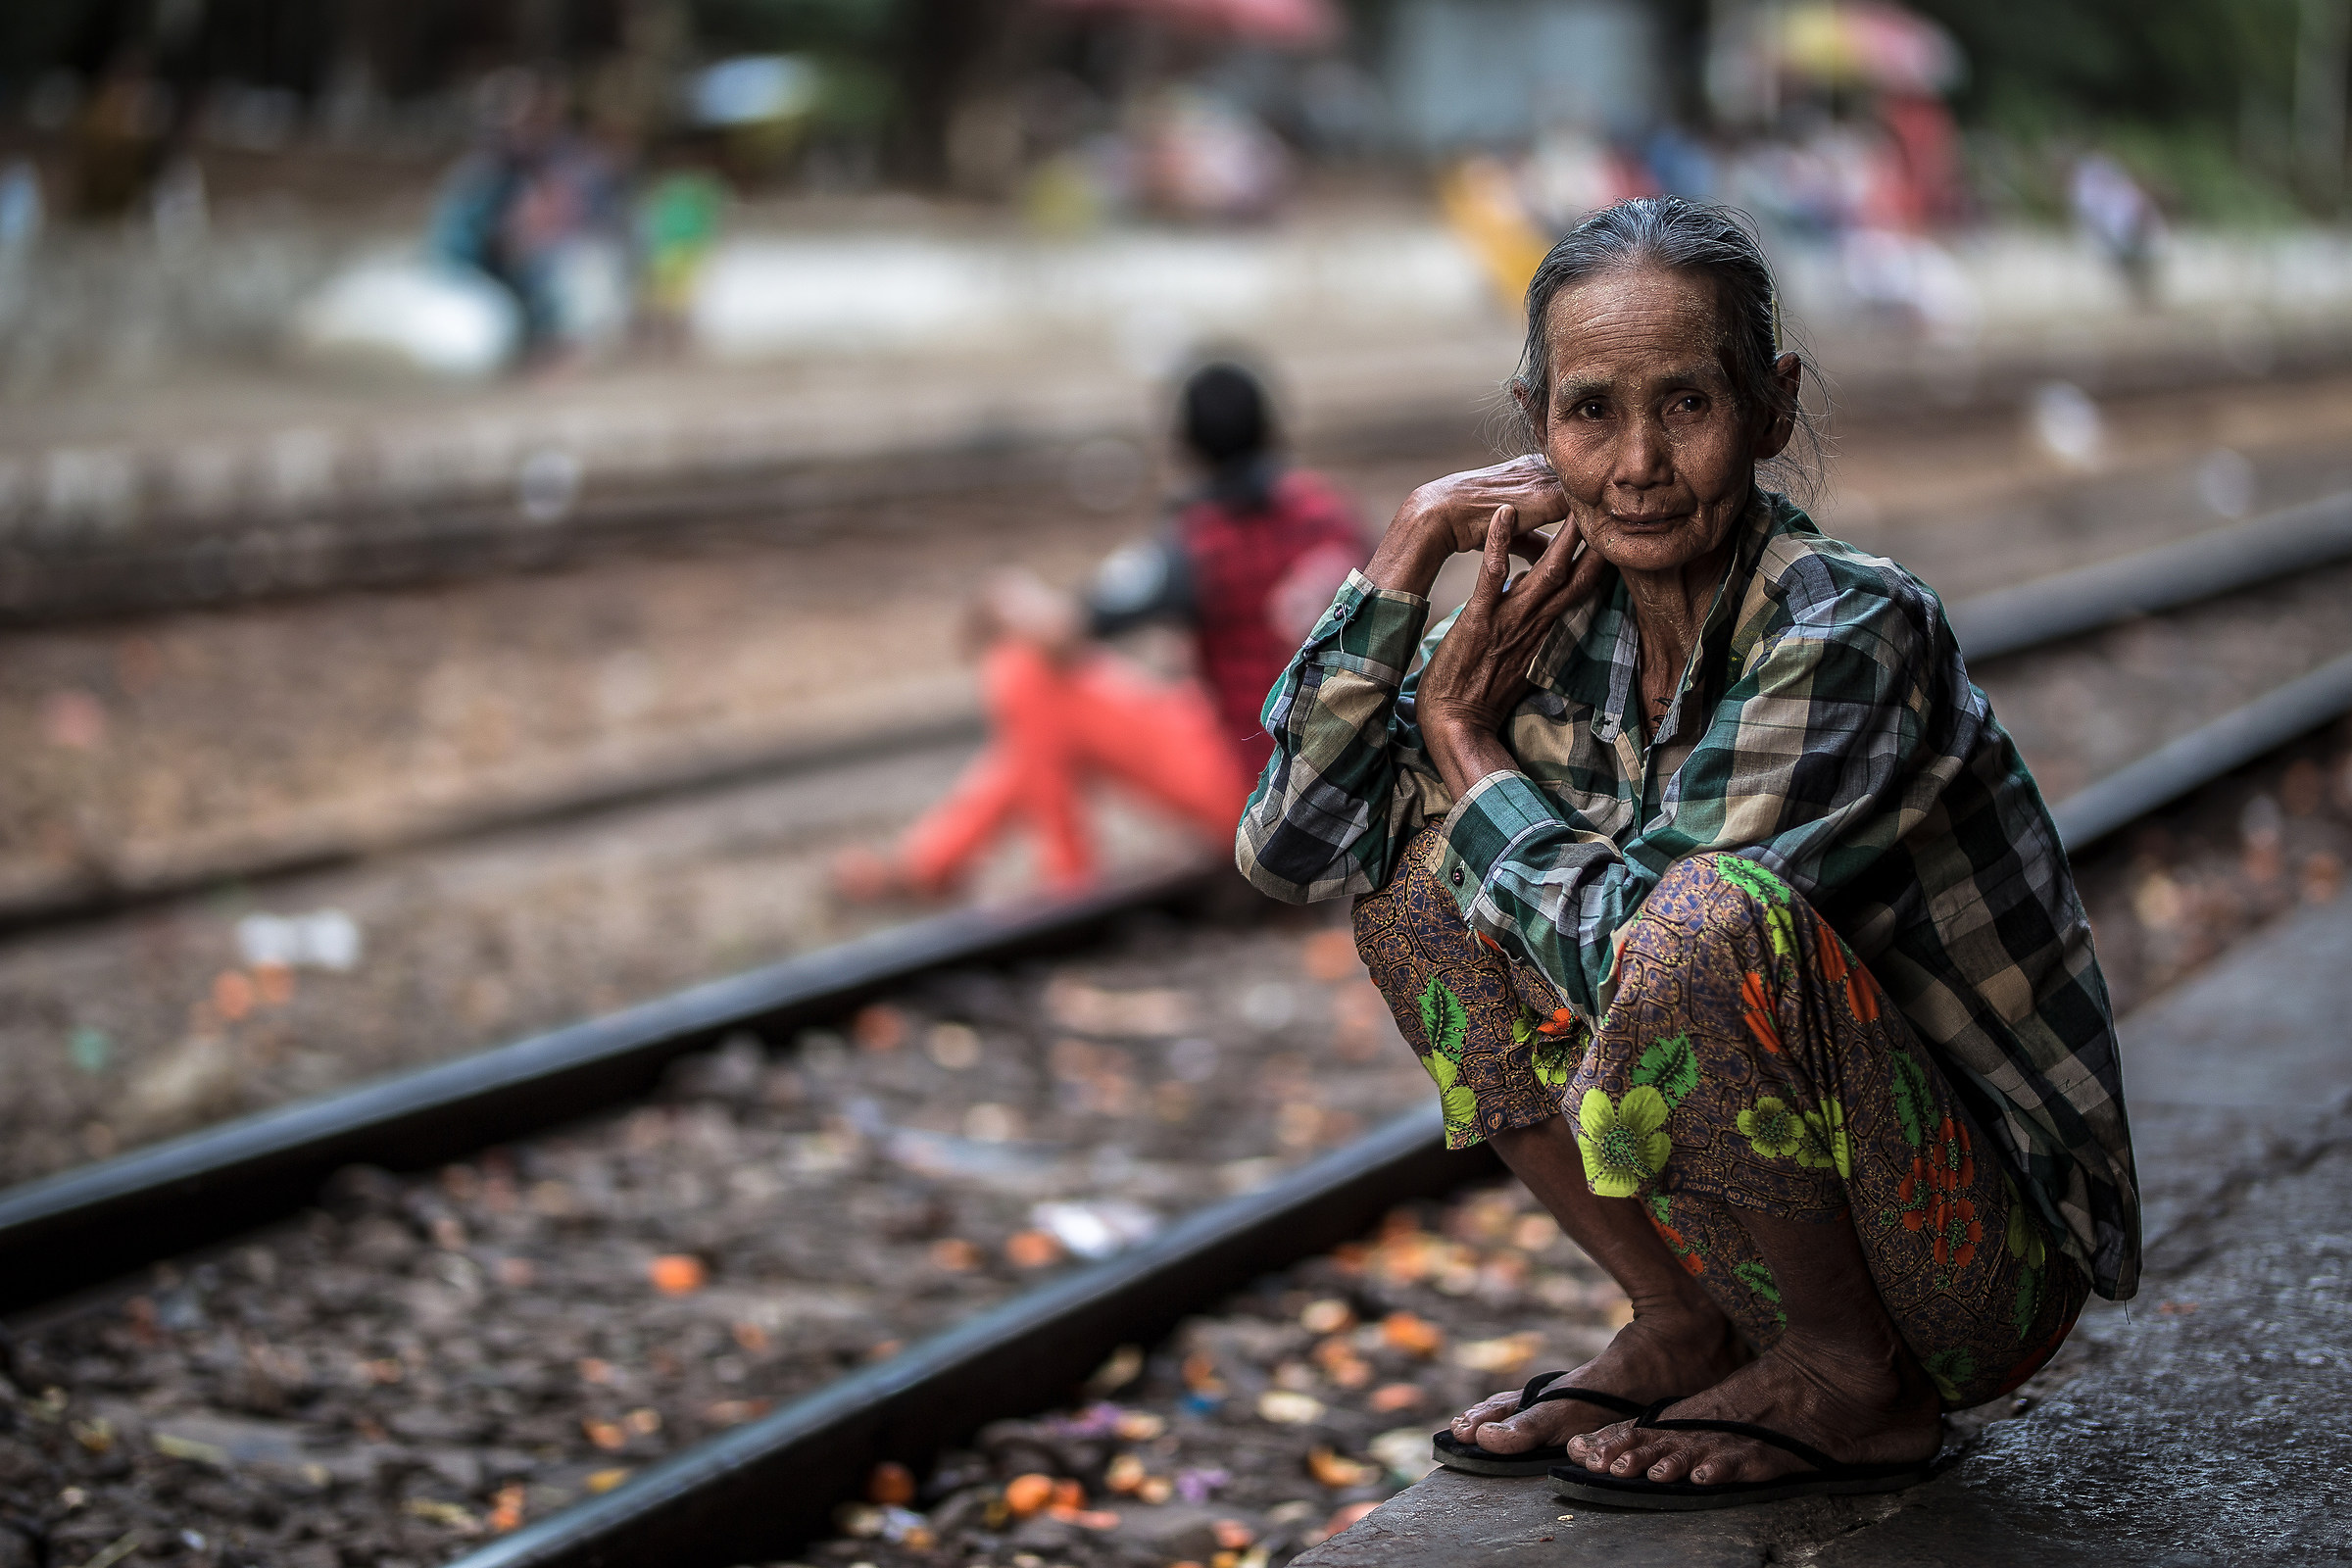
x=1289 y=23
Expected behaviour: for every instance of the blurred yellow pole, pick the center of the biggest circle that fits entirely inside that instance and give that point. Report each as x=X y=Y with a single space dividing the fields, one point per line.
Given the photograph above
x=1482 y=206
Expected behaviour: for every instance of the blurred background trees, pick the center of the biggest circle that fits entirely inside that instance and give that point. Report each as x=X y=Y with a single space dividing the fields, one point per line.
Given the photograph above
x=2231 y=109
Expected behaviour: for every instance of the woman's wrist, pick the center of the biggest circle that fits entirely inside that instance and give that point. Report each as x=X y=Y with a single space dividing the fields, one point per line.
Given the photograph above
x=1463 y=752
x=1411 y=553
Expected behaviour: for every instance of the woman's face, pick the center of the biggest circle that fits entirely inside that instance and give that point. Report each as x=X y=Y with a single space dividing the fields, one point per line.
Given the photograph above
x=1654 y=451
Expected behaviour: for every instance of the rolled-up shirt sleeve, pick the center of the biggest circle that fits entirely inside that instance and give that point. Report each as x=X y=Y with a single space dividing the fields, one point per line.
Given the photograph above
x=1348 y=765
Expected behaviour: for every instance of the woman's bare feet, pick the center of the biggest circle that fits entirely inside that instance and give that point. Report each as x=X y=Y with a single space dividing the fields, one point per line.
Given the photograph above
x=1657 y=1355
x=1857 y=1408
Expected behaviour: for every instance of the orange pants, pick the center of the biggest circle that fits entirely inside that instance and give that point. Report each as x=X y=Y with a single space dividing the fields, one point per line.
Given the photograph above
x=1056 y=727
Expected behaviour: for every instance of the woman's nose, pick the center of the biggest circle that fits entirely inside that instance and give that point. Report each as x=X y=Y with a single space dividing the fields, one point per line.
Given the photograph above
x=1645 y=457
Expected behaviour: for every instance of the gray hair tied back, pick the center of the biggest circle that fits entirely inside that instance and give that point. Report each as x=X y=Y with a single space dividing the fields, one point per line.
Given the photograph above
x=1682 y=236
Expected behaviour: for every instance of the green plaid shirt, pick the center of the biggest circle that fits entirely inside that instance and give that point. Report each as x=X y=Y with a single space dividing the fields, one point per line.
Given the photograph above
x=1826 y=727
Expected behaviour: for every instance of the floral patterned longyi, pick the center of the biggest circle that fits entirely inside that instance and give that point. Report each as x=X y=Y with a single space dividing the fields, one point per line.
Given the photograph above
x=1748 y=1061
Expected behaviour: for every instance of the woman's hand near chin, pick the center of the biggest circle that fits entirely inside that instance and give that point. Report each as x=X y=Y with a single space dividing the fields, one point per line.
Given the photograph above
x=1453 y=515
x=1478 y=674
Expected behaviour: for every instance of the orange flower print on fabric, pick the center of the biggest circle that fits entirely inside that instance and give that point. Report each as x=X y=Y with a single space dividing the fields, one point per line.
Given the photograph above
x=1861 y=992
x=1661 y=1220
x=1759 y=1012
x=1560 y=1022
x=1692 y=1263
x=1916 y=1195
x=1953 y=1161
x=1957 y=1233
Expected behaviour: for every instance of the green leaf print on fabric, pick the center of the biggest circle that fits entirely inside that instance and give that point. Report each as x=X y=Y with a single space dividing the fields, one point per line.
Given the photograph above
x=2024 y=1239
x=1670 y=1066
x=1771 y=892
x=1760 y=1283
x=1758 y=1280
x=1753 y=878
x=1623 y=1142
x=1771 y=1128
x=1822 y=1143
x=1455 y=1098
x=1555 y=1062
x=1951 y=1369
x=1914 y=1103
x=1445 y=1021
x=2029 y=1301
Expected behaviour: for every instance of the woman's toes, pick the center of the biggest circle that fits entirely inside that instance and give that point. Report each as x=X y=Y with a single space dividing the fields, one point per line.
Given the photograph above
x=1508 y=1436
x=1634 y=1459
x=1716 y=1471
x=1595 y=1449
x=1498 y=1407
x=1672 y=1465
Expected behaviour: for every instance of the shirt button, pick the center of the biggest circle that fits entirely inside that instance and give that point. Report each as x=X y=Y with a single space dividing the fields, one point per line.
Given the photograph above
x=1457 y=877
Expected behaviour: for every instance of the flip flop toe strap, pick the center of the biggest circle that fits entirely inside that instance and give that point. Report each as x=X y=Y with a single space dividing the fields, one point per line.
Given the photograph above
x=1528 y=1398
x=1655 y=1418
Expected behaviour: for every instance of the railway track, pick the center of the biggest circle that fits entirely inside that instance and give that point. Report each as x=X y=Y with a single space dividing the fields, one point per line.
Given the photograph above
x=757 y=1489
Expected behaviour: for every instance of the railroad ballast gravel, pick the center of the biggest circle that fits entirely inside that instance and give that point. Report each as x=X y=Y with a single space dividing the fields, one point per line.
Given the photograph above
x=1262 y=1428
x=423 y=1360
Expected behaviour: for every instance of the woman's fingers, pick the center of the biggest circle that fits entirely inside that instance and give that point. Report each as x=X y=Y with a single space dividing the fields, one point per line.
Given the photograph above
x=1494 y=567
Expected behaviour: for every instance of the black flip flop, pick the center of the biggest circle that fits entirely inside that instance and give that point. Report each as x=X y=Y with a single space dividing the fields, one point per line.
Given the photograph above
x=1452 y=1452
x=1828 y=1478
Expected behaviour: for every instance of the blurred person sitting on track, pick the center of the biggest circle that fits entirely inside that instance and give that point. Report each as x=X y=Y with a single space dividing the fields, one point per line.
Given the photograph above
x=1711 y=892
x=1251 y=560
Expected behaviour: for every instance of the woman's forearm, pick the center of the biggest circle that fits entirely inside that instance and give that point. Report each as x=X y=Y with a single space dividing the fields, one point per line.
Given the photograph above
x=1464 y=754
x=1411 y=553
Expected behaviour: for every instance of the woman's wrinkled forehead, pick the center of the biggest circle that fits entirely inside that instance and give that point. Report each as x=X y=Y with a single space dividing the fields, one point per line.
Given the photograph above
x=1632 y=316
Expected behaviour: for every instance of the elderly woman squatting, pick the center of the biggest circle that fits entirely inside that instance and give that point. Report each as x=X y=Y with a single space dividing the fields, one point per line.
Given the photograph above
x=1710 y=892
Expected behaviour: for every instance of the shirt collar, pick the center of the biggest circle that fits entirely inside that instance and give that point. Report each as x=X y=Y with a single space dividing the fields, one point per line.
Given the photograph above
x=1594 y=655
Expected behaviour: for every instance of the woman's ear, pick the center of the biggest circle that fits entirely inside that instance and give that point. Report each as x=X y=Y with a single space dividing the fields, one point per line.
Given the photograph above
x=1787 y=376
x=1530 y=410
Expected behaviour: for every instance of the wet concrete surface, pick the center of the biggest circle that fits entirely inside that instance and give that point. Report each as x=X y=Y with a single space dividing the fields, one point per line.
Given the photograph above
x=2203 y=1422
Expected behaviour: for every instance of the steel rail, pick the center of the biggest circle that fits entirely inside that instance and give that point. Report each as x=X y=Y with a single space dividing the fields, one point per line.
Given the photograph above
x=2048 y=609
x=94 y=1222
x=2204 y=755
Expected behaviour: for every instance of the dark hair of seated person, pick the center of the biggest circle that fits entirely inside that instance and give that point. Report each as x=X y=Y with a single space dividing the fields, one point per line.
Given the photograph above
x=1226 y=424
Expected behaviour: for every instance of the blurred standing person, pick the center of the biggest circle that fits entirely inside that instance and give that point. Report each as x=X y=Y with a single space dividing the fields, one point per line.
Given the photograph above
x=1251 y=558
x=542 y=209
x=2116 y=213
